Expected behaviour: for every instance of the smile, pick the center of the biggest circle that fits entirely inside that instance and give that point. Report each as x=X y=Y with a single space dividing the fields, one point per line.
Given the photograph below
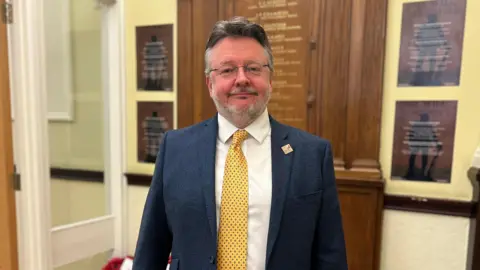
x=243 y=95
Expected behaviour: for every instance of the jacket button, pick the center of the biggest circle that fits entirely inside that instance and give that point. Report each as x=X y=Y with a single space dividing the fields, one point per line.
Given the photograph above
x=212 y=260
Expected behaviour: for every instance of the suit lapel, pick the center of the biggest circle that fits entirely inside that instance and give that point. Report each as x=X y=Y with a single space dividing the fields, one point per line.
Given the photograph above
x=281 y=166
x=206 y=152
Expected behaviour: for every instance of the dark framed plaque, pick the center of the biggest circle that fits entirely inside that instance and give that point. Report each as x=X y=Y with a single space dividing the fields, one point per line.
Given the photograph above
x=155 y=57
x=154 y=119
x=423 y=141
x=431 y=43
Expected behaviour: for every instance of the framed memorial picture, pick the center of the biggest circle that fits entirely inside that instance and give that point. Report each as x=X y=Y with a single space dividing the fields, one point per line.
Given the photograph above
x=154 y=119
x=431 y=43
x=155 y=57
x=423 y=141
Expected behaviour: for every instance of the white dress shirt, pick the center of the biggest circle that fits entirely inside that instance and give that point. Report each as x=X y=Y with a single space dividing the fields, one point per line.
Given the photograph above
x=257 y=150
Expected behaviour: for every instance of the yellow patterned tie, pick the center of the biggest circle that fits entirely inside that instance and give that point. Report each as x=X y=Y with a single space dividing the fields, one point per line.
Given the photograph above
x=232 y=234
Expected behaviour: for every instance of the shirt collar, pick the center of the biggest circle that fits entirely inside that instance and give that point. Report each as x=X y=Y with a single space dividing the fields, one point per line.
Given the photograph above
x=258 y=129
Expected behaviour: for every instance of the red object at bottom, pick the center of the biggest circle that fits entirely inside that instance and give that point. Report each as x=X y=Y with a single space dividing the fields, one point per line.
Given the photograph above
x=116 y=262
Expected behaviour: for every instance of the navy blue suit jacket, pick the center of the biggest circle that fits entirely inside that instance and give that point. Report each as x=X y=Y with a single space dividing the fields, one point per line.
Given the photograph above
x=305 y=230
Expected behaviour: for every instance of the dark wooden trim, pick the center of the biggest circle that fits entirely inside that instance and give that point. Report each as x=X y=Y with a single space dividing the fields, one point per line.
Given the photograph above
x=77 y=175
x=372 y=183
x=474 y=176
x=134 y=179
x=393 y=202
x=431 y=206
x=185 y=62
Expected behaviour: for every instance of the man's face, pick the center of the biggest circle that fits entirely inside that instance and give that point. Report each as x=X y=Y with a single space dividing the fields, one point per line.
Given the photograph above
x=239 y=93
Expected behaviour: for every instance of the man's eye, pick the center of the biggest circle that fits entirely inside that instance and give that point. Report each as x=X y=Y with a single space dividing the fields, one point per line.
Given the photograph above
x=253 y=69
x=226 y=70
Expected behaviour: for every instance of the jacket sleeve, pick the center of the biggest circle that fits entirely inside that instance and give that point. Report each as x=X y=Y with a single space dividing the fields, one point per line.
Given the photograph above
x=155 y=238
x=329 y=252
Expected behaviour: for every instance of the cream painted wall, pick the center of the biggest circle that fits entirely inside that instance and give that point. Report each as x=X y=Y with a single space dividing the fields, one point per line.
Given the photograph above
x=142 y=13
x=467 y=135
x=414 y=241
x=421 y=241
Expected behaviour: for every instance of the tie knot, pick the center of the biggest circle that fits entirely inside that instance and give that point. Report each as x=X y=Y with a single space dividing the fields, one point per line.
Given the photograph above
x=239 y=136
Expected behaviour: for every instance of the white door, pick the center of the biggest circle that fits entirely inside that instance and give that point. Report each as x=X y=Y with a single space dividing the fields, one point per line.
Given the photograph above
x=67 y=95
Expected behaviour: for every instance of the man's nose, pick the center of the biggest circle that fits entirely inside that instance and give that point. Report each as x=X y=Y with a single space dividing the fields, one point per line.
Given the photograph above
x=242 y=79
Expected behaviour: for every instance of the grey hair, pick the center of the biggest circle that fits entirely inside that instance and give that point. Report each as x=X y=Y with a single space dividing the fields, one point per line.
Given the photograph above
x=237 y=27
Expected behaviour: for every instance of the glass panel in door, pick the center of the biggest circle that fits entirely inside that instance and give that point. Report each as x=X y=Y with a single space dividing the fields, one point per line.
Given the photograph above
x=77 y=62
x=75 y=99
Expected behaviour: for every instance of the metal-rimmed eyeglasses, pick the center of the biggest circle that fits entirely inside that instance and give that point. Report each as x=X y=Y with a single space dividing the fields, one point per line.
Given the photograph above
x=231 y=71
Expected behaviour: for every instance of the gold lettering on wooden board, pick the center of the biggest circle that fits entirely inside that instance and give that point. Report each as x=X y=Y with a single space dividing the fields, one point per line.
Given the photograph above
x=287 y=25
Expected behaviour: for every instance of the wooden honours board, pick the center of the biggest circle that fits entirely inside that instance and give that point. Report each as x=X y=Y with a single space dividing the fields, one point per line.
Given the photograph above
x=286 y=23
x=328 y=77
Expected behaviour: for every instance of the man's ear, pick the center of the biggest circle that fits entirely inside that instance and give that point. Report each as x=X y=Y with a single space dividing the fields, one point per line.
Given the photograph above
x=271 y=81
x=209 y=83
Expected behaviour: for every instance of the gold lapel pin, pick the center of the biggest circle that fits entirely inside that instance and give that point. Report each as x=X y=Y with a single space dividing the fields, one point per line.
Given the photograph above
x=287 y=149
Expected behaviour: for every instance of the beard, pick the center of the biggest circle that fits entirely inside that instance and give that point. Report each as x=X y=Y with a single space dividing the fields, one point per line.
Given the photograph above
x=242 y=116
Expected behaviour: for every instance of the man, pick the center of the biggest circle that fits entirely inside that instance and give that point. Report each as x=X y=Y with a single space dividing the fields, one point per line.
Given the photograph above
x=241 y=190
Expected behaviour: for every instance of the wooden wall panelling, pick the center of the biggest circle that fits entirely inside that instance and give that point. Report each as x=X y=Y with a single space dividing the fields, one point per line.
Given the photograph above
x=204 y=15
x=310 y=13
x=316 y=48
x=333 y=79
x=372 y=84
x=354 y=80
x=196 y=19
x=380 y=194
x=190 y=65
x=366 y=84
x=311 y=10
x=186 y=57
x=340 y=91
x=225 y=9
x=292 y=54
x=360 y=206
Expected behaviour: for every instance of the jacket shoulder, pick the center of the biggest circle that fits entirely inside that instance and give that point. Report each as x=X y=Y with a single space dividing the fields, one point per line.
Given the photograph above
x=188 y=131
x=303 y=137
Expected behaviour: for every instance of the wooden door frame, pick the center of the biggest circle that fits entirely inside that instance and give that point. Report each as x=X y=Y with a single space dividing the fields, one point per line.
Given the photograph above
x=8 y=223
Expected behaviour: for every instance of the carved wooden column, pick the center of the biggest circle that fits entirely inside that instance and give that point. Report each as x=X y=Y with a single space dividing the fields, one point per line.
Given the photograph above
x=350 y=83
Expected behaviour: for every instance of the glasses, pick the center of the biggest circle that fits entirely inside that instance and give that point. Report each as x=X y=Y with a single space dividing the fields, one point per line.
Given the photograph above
x=230 y=71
